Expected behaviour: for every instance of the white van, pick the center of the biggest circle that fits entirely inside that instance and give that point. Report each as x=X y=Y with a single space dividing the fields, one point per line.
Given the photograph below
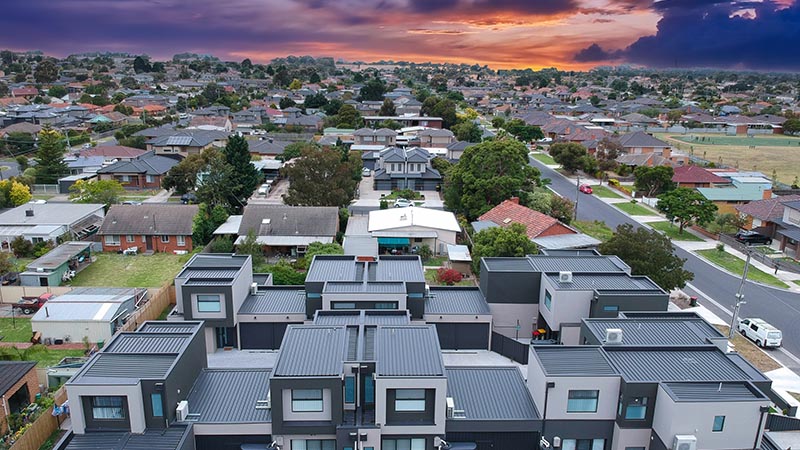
x=760 y=332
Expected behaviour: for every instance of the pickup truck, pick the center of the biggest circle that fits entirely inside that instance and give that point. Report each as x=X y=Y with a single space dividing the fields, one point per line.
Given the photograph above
x=31 y=304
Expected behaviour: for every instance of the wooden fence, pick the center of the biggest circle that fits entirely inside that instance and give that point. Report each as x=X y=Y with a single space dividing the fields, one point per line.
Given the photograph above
x=152 y=309
x=42 y=427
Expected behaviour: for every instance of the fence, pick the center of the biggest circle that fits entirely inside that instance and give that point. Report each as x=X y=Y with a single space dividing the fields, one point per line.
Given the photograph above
x=772 y=263
x=152 y=309
x=777 y=422
x=12 y=294
x=44 y=189
x=510 y=348
x=42 y=427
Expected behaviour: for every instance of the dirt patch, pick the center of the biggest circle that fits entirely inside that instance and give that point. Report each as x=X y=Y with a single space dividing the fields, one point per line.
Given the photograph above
x=750 y=351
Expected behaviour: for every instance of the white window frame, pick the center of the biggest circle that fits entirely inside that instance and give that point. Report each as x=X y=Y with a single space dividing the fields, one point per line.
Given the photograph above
x=165 y=239
x=129 y=238
x=181 y=241
x=111 y=239
x=149 y=178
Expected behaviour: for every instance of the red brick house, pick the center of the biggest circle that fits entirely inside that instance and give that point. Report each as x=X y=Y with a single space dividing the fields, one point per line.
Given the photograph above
x=538 y=224
x=152 y=227
x=696 y=177
x=18 y=388
x=143 y=172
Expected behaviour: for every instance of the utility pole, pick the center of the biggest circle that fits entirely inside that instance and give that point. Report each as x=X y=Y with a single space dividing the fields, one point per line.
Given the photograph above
x=739 y=297
x=577 y=197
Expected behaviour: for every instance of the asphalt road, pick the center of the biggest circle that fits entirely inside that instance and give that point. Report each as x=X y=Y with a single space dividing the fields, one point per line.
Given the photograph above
x=715 y=288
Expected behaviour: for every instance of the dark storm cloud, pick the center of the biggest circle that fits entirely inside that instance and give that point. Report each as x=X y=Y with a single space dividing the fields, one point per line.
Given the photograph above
x=594 y=53
x=469 y=7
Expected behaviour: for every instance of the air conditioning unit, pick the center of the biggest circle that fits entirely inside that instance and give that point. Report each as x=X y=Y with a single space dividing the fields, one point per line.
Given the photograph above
x=684 y=442
x=451 y=406
x=613 y=336
x=254 y=288
x=565 y=277
x=182 y=411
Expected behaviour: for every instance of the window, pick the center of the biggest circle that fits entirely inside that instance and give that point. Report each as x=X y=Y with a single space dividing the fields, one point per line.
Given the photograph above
x=37 y=240
x=582 y=401
x=149 y=178
x=349 y=389
x=403 y=444
x=130 y=238
x=164 y=239
x=208 y=303
x=112 y=240
x=125 y=178
x=583 y=444
x=369 y=390
x=636 y=408
x=385 y=305
x=306 y=400
x=181 y=241
x=719 y=424
x=158 y=405
x=611 y=308
x=313 y=444
x=343 y=305
x=548 y=299
x=410 y=400
x=107 y=408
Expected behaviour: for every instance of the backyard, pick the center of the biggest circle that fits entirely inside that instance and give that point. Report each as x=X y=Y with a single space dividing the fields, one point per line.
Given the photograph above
x=635 y=209
x=673 y=232
x=18 y=330
x=111 y=269
x=430 y=279
x=736 y=265
x=15 y=329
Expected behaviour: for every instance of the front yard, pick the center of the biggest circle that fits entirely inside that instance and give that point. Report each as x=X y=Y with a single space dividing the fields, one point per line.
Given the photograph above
x=750 y=351
x=673 y=232
x=115 y=270
x=736 y=265
x=544 y=158
x=604 y=192
x=635 y=209
x=595 y=229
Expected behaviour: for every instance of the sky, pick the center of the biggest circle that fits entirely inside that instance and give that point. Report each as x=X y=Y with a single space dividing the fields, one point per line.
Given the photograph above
x=567 y=34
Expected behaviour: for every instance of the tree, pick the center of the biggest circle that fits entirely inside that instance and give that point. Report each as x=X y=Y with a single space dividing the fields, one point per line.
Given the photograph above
x=21 y=247
x=687 y=206
x=320 y=178
x=791 y=126
x=653 y=181
x=205 y=222
x=487 y=174
x=569 y=154
x=57 y=91
x=315 y=101
x=295 y=85
x=501 y=241
x=244 y=177
x=106 y=192
x=283 y=274
x=522 y=131
x=213 y=92
x=22 y=162
x=46 y=71
x=648 y=253
x=140 y=64
x=5 y=264
x=467 y=131
x=19 y=193
x=286 y=103
x=373 y=90
x=387 y=109
x=448 y=276
x=139 y=142
x=3 y=89
x=50 y=165
x=561 y=208
x=318 y=248
x=347 y=117
x=295 y=149
x=214 y=187
x=608 y=150
x=446 y=109
x=251 y=246
x=20 y=141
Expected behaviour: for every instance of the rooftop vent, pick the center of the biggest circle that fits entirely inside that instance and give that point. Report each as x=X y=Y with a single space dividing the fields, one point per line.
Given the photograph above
x=613 y=336
x=29 y=212
x=507 y=220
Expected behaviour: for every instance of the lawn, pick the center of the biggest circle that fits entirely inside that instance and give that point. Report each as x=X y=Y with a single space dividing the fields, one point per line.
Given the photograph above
x=750 y=351
x=604 y=192
x=544 y=158
x=430 y=279
x=43 y=356
x=797 y=282
x=111 y=269
x=595 y=229
x=395 y=195
x=672 y=231
x=19 y=333
x=635 y=209
x=435 y=262
x=736 y=265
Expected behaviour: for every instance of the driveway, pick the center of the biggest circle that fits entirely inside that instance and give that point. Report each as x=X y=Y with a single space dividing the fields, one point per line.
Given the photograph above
x=161 y=197
x=275 y=196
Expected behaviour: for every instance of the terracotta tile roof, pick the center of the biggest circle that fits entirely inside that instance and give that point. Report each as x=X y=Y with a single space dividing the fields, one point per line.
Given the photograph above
x=770 y=210
x=695 y=174
x=510 y=211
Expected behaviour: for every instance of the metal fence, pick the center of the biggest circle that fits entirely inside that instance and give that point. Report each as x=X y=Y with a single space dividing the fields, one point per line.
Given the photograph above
x=776 y=422
x=510 y=348
x=44 y=189
x=765 y=259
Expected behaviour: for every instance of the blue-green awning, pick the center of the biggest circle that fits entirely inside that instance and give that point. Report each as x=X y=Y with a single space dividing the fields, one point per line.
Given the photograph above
x=393 y=241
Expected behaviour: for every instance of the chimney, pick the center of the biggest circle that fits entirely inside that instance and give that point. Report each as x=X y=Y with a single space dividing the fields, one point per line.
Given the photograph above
x=29 y=212
x=514 y=200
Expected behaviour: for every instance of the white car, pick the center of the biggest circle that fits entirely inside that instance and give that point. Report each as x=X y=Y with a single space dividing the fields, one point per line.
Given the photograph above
x=264 y=189
x=403 y=203
x=365 y=172
x=760 y=332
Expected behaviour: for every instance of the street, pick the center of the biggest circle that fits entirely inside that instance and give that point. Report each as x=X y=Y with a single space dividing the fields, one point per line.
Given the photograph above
x=715 y=288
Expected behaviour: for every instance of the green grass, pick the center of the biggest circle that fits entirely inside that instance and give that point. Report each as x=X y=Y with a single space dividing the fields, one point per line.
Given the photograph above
x=42 y=196
x=635 y=209
x=21 y=263
x=15 y=330
x=766 y=141
x=395 y=195
x=595 y=229
x=604 y=192
x=544 y=158
x=736 y=265
x=43 y=356
x=797 y=282
x=111 y=269
x=430 y=278
x=672 y=231
x=436 y=262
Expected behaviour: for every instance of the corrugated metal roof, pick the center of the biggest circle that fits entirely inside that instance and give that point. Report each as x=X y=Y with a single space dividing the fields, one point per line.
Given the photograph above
x=569 y=361
x=365 y=317
x=345 y=287
x=408 y=351
x=490 y=393
x=96 y=295
x=275 y=301
x=656 y=332
x=712 y=392
x=578 y=264
x=147 y=343
x=207 y=261
x=456 y=301
x=168 y=327
x=217 y=396
x=110 y=365
x=311 y=350
x=369 y=343
x=77 y=312
x=352 y=344
x=399 y=268
x=210 y=273
x=332 y=268
x=151 y=439
x=675 y=365
x=606 y=281
x=508 y=264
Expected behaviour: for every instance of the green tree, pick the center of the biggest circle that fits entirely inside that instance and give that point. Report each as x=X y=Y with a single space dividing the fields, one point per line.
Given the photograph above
x=467 y=131
x=347 y=117
x=318 y=248
x=295 y=85
x=22 y=162
x=214 y=186
x=46 y=71
x=286 y=103
x=373 y=90
x=522 y=131
x=20 y=142
x=387 y=109
x=183 y=176
x=212 y=92
x=139 y=142
x=321 y=178
x=487 y=174
x=105 y=192
x=569 y=154
x=141 y=64
x=205 y=222
x=19 y=194
x=653 y=181
x=648 y=253
x=446 y=109
x=50 y=165
x=512 y=240
x=315 y=101
x=791 y=126
x=251 y=246
x=283 y=274
x=295 y=149
x=57 y=91
x=561 y=208
x=687 y=206
x=244 y=177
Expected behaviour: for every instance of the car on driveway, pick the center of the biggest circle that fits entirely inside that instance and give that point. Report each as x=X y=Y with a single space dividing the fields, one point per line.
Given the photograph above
x=585 y=188
x=760 y=332
x=264 y=189
x=403 y=203
x=751 y=237
x=365 y=172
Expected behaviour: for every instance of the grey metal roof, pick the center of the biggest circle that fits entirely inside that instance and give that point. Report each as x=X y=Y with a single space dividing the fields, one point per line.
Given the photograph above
x=447 y=300
x=490 y=393
x=363 y=317
x=676 y=365
x=149 y=219
x=11 y=372
x=112 y=366
x=606 y=281
x=373 y=287
x=712 y=392
x=656 y=332
x=153 y=343
x=151 y=439
x=51 y=213
x=289 y=220
x=578 y=264
x=168 y=327
x=573 y=361
x=408 y=351
x=211 y=273
x=97 y=295
x=275 y=301
x=59 y=255
x=399 y=268
x=508 y=264
x=332 y=268
x=208 y=261
x=148 y=165
x=218 y=396
x=311 y=350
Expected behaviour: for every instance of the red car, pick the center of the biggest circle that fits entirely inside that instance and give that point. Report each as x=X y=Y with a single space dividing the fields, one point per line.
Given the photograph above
x=585 y=188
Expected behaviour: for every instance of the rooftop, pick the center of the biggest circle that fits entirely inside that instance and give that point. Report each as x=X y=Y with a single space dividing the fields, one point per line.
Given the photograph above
x=670 y=364
x=58 y=256
x=413 y=216
x=656 y=331
x=111 y=368
x=578 y=264
x=152 y=439
x=713 y=392
x=510 y=211
x=217 y=396
x=149 y=219
x=311 y=350
x=275 y=300
x=53 y=213
x=408 y=351
x=573 y=361
x=490 y=393
x=361 y=317
x=456 y=300
x=11 y=372
x=607 y=281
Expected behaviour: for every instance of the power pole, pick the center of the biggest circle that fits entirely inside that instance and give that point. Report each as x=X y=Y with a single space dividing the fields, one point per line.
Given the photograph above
x=577 y=197
x=739 y=298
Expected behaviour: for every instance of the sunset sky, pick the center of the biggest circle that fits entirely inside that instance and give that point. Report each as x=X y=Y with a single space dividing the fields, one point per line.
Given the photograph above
x=568 y=34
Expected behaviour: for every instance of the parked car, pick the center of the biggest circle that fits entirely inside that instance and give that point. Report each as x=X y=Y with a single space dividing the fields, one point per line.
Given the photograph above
x=264 y=189
x=188 y=198
x=403 y=203
x=760 y=332
x=132 y=202
x=751 y=237
x=365 y=172
x=31 y=304
x=585 y=188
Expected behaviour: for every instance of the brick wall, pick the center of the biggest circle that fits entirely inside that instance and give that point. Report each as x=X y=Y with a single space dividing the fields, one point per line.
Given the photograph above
x=32 y=381
x=141 y=241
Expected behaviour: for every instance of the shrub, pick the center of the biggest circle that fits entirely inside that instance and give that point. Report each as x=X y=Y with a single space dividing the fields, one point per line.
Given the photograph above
x=222 y=244
x=720 y=247
x=22 y=247
x=613 y=182
x=448 y=276
x=384 y=204
x=425 y=252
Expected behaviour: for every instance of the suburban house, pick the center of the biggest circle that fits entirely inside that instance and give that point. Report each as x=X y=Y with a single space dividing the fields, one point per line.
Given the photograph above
x=143 y=172
x=113 y=153
x=405 y=121
x=182 y=143
x=49 y=269
x=642 y=149
x=742 y=190
x=267 y=147
x=406 y=168
x=692 y=176
x=150 y=227
x=435 y=138
x=287 y=230
x=19 y=387
x=210 y=123
x=39 y=222
x=367 y=139
x=789 y=229
x=766 y=215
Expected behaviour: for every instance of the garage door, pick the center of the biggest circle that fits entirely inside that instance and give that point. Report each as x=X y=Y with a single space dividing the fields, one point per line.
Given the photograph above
x=261 y=336
x=463 y=336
